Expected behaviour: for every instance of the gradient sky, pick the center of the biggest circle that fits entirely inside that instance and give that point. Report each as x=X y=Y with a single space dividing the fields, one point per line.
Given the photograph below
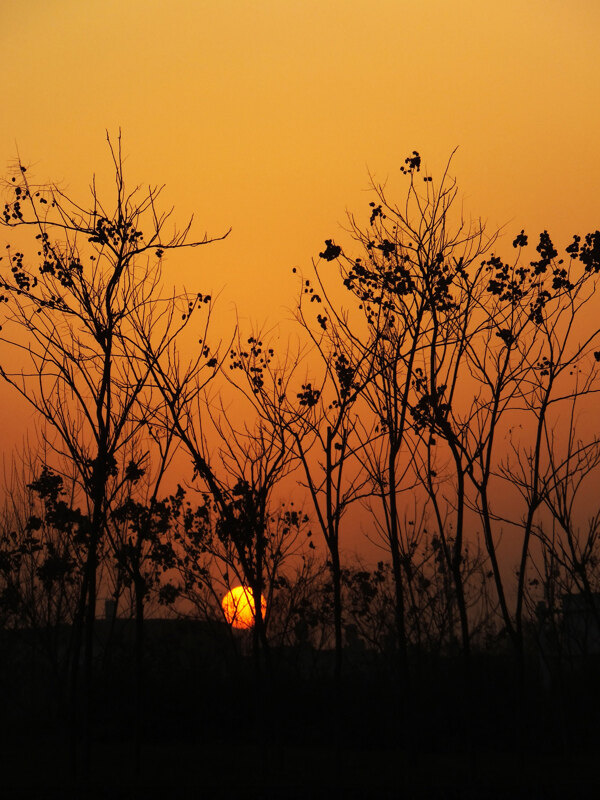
x=266 y=115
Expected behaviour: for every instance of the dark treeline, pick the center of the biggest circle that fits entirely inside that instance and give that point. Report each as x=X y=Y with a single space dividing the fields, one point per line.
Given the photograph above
x=433 y=397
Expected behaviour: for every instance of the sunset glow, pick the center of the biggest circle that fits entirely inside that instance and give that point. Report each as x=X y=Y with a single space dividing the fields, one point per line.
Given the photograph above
x=300 y=295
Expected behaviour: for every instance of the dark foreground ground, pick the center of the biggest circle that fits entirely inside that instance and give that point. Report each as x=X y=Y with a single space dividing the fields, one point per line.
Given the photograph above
x=209 y=730
x=37 y=770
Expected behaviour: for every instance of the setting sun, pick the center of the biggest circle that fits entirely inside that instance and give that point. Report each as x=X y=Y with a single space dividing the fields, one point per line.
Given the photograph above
x=238 y=607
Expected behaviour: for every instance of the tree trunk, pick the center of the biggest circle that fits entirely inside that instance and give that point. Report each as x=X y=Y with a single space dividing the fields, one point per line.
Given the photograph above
x=337 y=616
x=88 y=667
x=139 y=676
x=394 y=541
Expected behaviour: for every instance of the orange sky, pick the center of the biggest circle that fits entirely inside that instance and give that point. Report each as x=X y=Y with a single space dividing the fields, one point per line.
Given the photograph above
x=266 y=115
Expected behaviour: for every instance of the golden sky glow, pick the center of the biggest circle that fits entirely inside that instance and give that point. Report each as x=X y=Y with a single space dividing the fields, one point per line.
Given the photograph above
x=265 y=115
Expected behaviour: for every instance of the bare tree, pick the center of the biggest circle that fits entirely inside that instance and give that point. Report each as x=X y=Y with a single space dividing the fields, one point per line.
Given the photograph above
x=526 y=364
x=41 y=562
x=77 y=309
x=417 y=284
x=319 y=416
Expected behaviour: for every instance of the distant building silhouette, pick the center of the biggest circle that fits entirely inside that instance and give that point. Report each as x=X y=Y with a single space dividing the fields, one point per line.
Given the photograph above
x=571 y=638
x=581 y=631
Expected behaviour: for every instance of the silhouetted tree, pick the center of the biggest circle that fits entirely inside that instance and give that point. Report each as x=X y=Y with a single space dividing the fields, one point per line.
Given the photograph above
x=77 y=311
x=417 y=285
x=42 y=553
x=142 y=548
x=528 y=360
x=318 y=417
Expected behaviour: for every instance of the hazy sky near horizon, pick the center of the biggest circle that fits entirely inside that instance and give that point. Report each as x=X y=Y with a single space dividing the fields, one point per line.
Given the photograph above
x=266 y=116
